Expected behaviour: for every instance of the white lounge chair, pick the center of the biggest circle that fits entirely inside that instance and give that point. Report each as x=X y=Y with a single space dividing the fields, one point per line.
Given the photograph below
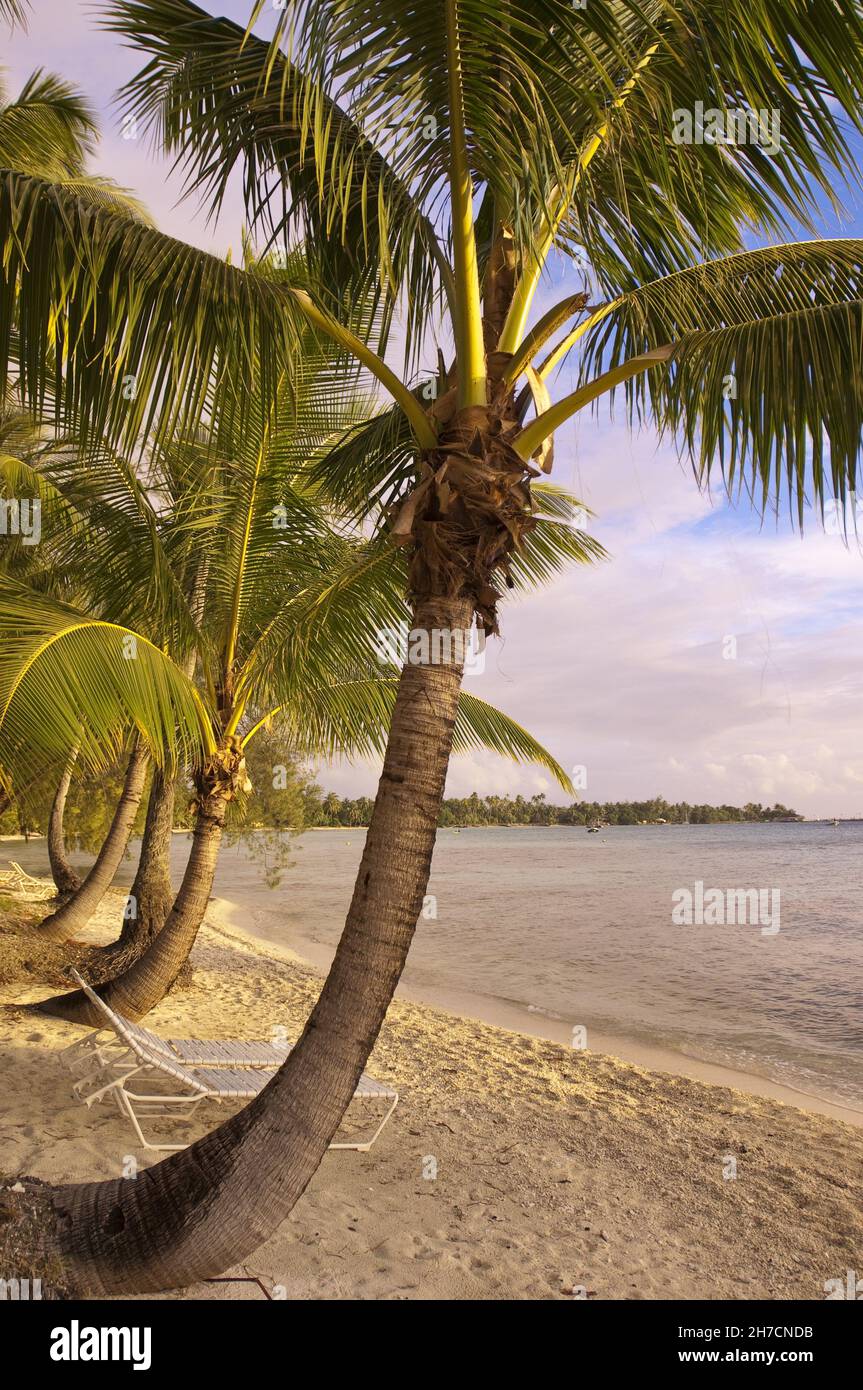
x=25 y=886
x=195 y=1052
x=198 y=1070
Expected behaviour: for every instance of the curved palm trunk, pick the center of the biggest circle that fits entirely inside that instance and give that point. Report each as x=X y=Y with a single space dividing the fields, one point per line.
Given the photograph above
x=76 y=913
x=149 y=978
x=152 y=894
x=210 y=1206
x=64 y=876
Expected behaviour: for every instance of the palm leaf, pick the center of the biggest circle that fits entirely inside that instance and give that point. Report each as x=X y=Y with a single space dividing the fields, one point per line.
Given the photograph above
x=766 y=380
x=14 y=11
x=645 y=206
x=525 y=76
x=345 y=595
x=65 y=676
x=97 y=191
x=555 y=541
x=145 y=329
x=48 y=130
x=352 y=718
x=205 y=96
x=480 y=725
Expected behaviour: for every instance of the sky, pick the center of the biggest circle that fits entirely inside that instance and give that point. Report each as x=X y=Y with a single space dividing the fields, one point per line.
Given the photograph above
x=711 y=658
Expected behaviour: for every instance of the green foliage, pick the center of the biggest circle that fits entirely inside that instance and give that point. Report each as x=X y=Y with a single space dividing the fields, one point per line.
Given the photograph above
x=177 y=328
x=223 y=560
x=266 y=821
x=66 y=679
x=48 y=130
x=766 y=380
x=279 y=786
x=535 y=810
x=201 y=96
x=349 y=136
x=90 y=806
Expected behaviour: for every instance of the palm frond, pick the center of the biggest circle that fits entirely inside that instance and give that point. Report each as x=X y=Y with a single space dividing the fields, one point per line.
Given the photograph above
x=345 y=595
x=98 y=191
x=526 y=75
x=352 y=718
x=210 y=99
x=766 y=380
x=480 y=725
x=65 y=677
x=798 y=69
x=14 y=11
x=555 y=541
x=373 y=461
x=144 y=329
x=49 y=130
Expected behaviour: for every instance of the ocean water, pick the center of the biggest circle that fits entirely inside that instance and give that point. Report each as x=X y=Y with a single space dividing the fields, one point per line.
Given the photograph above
x=579 y=928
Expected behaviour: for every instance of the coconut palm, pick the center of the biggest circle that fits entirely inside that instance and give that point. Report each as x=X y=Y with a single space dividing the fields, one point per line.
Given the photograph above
x=452 y=146
x=288 y=611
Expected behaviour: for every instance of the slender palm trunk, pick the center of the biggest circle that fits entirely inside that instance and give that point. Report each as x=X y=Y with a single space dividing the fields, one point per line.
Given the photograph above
x=64 y=875
x=152 y=894
x=148 y=978
x=210 y=1206
x=77 y=911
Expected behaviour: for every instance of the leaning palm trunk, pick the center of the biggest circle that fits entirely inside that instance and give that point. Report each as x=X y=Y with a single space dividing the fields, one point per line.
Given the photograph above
x=76 y=913
x=64 y=876
x=210 y=1206
x=150 y=976
x=151 y=895
x=146 y=981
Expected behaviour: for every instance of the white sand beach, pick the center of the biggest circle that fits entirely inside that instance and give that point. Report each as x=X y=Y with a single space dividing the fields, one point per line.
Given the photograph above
x=559 y=1173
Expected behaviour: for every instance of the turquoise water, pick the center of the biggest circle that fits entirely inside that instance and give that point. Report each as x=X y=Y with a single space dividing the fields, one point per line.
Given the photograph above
x=579 y=927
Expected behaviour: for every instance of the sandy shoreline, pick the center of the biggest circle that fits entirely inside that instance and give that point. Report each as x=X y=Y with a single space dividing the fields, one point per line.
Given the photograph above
x=501 y=1013
x=513 y=1167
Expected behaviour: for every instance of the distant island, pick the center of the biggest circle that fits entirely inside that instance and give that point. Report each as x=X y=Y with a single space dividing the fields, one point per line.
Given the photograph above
x=332 y=810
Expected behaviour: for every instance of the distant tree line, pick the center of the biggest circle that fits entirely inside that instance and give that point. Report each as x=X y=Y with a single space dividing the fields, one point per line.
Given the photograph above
x=535 y=810
x=285 y=801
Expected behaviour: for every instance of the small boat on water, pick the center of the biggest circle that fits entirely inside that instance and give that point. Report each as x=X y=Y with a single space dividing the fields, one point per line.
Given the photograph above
x=593 y=830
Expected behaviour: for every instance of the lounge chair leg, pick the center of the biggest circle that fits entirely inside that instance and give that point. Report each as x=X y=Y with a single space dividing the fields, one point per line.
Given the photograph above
x=364 y=1148
x=126 y=1108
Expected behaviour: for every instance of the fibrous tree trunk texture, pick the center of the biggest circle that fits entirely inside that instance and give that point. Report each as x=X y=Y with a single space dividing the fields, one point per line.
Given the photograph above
x=140 y=987
x=151 y=895
x=77 y=911
x=203 y=1210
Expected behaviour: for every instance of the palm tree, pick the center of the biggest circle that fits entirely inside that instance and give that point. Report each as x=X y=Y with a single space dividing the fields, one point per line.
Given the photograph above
x=79 y=907
x=452 y=146
x=281 y=628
